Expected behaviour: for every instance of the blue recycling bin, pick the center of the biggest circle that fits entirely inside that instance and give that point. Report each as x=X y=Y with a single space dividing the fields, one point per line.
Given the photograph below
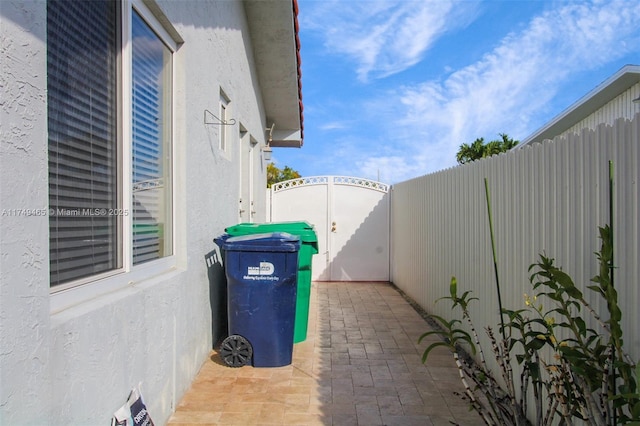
x=261 y=271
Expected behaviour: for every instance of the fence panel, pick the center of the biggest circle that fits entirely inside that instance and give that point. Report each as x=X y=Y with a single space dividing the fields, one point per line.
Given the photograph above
x=547 y=198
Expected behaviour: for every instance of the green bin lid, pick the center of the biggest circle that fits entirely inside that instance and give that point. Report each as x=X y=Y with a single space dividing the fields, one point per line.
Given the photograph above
x=304 y=230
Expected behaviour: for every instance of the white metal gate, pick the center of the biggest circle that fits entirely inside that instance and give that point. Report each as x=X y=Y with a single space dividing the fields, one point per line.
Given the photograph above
x=351 y=219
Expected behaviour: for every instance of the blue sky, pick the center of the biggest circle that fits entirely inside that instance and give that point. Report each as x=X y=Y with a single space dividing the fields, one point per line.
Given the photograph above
x=392 y=88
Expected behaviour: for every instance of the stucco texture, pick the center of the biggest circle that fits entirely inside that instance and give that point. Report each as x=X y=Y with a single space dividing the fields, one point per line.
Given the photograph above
x=77 y=363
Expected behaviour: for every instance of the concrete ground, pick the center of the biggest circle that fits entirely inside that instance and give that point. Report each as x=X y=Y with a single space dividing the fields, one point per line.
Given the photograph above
x=360 y=365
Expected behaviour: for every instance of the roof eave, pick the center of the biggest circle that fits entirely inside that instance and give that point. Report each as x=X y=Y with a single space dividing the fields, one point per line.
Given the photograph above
x=626 y=77
x=273 y=25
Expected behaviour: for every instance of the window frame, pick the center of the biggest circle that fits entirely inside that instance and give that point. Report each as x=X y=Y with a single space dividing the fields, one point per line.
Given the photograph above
x=224 y=110
x=85 y=288
x=167 y=166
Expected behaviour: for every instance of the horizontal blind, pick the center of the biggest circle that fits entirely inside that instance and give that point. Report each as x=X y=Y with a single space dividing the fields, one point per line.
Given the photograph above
x=151 y=144
x=82 y=123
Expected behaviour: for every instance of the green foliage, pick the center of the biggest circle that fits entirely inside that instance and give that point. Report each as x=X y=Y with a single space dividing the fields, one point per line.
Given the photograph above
x=479 y=149
x=588 y=375
x=450 y=335
x=275 y=175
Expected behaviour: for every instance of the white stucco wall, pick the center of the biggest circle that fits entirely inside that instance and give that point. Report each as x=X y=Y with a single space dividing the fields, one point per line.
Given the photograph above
x=76 y=365
x=25 y=378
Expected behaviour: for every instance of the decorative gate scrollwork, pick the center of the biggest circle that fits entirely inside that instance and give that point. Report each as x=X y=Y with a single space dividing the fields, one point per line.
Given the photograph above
x=323 y=180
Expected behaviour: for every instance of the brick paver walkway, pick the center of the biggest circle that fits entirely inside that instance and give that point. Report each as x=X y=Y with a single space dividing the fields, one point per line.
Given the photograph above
x=360 y=365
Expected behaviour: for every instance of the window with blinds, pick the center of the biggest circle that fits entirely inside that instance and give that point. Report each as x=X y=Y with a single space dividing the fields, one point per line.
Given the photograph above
x=82 y=52
x=151 y=144
x=87 y=175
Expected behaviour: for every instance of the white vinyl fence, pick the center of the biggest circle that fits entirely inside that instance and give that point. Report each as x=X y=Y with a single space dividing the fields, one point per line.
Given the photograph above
x=548 y=198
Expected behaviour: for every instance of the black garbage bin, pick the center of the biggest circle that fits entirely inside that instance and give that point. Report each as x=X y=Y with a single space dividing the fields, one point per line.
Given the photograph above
x=261 y=271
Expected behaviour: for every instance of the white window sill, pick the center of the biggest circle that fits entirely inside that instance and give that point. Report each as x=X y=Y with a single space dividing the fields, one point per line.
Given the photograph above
x=142 y=275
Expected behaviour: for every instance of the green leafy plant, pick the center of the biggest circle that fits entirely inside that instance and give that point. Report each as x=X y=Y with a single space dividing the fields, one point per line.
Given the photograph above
x=495 y=405
x=587 y=375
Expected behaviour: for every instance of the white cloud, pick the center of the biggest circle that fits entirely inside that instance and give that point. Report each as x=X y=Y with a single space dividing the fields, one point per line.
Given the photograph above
x=504 y=89
x=416 y=129
x=334 y=125
x=384 y=37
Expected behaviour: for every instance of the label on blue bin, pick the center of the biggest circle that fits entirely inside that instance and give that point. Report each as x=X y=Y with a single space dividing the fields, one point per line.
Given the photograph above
x=263 y=272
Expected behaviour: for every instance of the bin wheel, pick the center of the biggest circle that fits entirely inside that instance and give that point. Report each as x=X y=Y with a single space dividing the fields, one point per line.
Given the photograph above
x=236 y=351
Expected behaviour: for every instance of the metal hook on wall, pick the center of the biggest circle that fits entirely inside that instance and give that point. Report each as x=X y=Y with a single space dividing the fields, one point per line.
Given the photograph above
x=218 y=121
x=270 y=130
